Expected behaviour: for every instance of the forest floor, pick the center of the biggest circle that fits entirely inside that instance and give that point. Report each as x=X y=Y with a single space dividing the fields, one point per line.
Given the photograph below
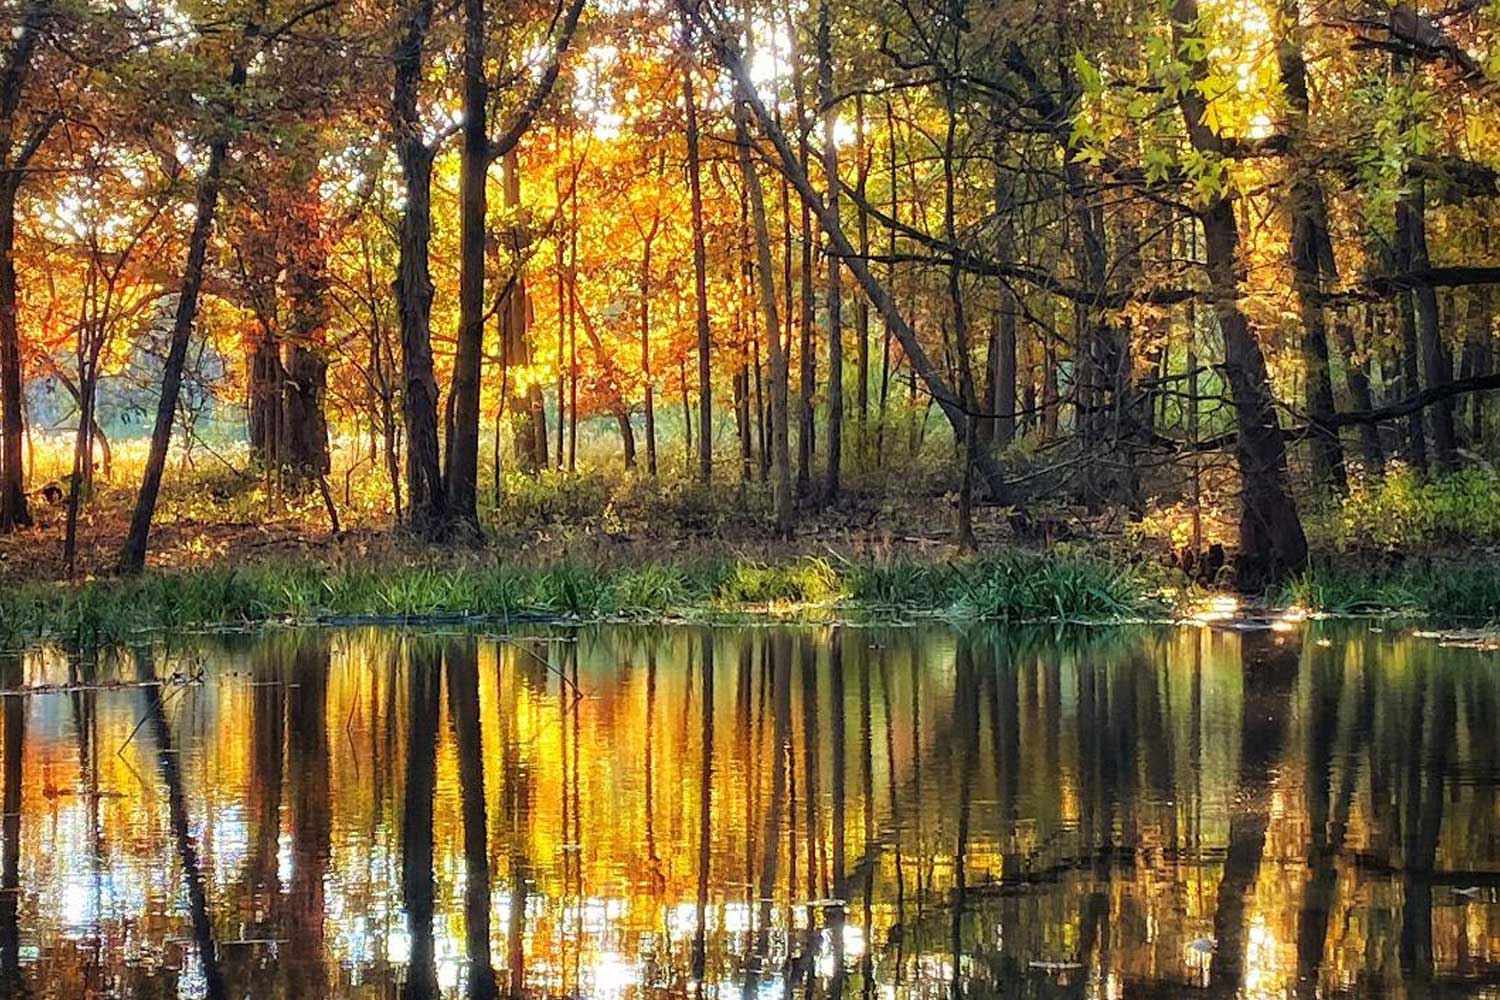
x=595 y=518
x=188 y=539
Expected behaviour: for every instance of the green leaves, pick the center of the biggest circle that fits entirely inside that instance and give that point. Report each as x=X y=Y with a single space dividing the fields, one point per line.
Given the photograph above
x=1089 y=77
x=1206 y=173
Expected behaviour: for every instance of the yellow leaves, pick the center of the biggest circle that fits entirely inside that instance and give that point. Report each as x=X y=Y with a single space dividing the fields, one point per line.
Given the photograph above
x=1218 y=90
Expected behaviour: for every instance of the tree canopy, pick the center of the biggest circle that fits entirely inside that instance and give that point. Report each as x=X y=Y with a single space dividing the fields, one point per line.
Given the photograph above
x=1092 y=249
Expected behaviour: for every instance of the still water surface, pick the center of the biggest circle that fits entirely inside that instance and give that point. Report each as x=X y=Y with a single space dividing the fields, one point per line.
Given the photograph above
x=620 y=812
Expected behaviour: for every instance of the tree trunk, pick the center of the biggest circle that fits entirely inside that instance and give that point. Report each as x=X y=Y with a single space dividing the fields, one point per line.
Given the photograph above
x=515 y=318
x=1411 y=214
x=862 y=305
x=1271 y=541
x=1411 y=363
x=700 y=282
x=969 y=440
x=886 y=333
x=560 y=262
x=14 y=512
x=807 y=351
x=1357 y=374
x=835 y=303
x=762 y=416
x=304 y=416
x=1001 y=393
x=646 y=376
x=461 y=471
x=780 y=451
x=265 y=400
x=425 y=493
x=83 y=457
x=742 y=420
x=572 y=345
x=879 y=297
x=1478 y=356
x=627 y=437
x=1310 y=242
x=687 y=412
x=1327 y=453
x=133 y=554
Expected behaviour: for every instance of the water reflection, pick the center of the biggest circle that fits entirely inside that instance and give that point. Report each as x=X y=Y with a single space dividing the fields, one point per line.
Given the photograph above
x=758 y=813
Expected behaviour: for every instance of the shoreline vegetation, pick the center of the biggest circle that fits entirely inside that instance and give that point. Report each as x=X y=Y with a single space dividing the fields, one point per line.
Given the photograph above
x=1013 y=586
x=596 y=547
x=1008 y=586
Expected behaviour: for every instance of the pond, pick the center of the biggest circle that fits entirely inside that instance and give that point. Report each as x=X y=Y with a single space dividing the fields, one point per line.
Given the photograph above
x=618 y=811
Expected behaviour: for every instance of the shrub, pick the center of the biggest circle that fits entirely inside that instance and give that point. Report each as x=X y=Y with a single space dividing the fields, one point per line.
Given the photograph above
x=1404 y=510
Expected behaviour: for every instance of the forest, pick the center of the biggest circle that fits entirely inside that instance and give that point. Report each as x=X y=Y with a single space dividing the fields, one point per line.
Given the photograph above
x=1200 y=284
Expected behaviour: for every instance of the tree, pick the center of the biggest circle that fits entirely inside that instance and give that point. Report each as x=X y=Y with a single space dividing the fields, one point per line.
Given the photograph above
x=700 y=270
x=835 y=299
x=1272 y=543
x=133 y=555
x=426 y=496
x=23 y=129
x=462 y=469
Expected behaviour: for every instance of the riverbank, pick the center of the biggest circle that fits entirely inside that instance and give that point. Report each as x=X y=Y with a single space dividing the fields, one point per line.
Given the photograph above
x=1459 y=586
x=415 y=584
x=1011 y=586
x=592 y=548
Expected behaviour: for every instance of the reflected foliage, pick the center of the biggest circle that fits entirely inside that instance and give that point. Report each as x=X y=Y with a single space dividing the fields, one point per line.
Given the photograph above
x=623 y=812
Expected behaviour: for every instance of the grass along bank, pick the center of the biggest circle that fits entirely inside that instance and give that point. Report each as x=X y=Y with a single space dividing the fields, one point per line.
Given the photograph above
x=590 y=548
x=1440 y=588
x=1013 y=586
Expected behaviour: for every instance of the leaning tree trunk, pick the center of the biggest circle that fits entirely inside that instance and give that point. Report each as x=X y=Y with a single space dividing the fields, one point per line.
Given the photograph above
x=922 y=366
x=780 y=446
x=1272 y=544
x=133 y=554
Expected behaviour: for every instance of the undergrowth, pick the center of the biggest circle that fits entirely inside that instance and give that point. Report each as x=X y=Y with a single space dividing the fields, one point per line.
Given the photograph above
x=1403 y=510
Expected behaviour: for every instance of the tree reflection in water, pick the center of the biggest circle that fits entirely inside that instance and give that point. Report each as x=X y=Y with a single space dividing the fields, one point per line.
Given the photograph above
x=822 y=812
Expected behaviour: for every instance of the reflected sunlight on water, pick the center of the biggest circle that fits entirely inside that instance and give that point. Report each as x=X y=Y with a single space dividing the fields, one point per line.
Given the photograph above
x=617 y=812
